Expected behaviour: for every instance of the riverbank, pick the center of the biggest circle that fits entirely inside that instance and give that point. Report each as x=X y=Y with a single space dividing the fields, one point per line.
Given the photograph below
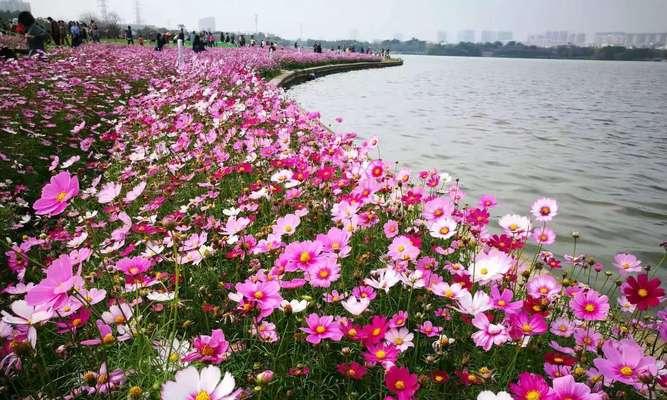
x=224 y=232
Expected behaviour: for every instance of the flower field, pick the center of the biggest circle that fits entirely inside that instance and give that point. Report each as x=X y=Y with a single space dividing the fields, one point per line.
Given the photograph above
x=190 y=233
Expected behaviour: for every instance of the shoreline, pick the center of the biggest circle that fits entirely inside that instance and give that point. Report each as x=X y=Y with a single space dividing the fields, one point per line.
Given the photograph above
x=289 y=78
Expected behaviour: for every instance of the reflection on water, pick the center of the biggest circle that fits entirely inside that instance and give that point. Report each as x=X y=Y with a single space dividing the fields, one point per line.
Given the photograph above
x=591 y=134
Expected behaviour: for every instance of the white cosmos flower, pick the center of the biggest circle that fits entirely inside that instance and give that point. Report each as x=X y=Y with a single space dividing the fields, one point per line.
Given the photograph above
x=515 y=224
x=473 y=305
x=443 y=228
x=444 y=289
x=296 y=306
x=490 y=267
x=160 y=296
x=401 y=338
x=385 y=279
x=192 y=384
x=356 y=306
x=489 y=395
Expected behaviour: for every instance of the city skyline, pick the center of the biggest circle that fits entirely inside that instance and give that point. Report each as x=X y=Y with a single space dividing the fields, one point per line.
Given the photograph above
x=374 y=19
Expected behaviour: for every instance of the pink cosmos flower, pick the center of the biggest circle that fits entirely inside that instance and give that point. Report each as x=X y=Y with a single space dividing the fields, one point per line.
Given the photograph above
x=624 y=361
x=53 y=290
x=544 y=236
x=626 y=263
x=398 y=320
x=210 y=349
x=590 y=305
x=530 y=387
x=515 y=225
x=524 y=324
x=562 y=327
x=336 y=241
x=56 y=194
x=320 y=328
x=135 y=192
x=189 y=384
x=381 y=353
x=437 y=208
x=487 y=201
x=430 y=330
x=134 y=267
x=488 y=334
x=566 y=388
x=390 y=229
x=119 y=315
x=109 y=191
x=302 y=255
x=402 y=249
x=286 y=225
x=265 y=294
x=543 y=286
x=544 y=209
x=324 y=273
x=402 y=383
x=589 y=339
x=503 y=301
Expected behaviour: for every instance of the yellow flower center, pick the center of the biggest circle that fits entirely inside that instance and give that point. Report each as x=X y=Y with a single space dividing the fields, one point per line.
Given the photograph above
x=335 y=246
x=438 y=212
x=61 y=196
x=513 y=227
x=108 y=339
x=352 y=332
x=526 y=328
x=590 y=307
x=484 y=271
x=173 y=357
x=76 y=322
x=323 y=273
x=258 y=295
x=351 y=372
x=288 y=228
x=304 y=257
x=203 y=395
x=398 y=341
x=626 y=371
x=399 y=385
x=545 y=210
x=544 y=290
x=119 y=319
x=642 y=292
x=380 y=354
x=320 y=329
x=444 y=230
x=401 y=248
x=376 y=331
x=207 y=350
x=502 y=303
x=533 y=395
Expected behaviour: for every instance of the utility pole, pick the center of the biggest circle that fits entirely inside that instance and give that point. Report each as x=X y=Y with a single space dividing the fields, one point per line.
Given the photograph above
x=104 y=13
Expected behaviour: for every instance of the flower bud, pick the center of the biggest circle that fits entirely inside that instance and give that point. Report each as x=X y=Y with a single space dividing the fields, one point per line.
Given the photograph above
x=264 y=377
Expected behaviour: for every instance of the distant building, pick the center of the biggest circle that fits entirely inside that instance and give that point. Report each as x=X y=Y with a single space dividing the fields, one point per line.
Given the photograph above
x=14 y=5
x=489 y=36
x=557 y=38
x=466 y=36
x=207 y=24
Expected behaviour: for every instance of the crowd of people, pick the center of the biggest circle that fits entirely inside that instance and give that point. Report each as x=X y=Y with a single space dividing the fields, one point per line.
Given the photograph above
x=75 y=33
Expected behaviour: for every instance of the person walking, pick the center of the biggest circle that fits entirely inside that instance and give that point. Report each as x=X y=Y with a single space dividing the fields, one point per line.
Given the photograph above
x=75 y=33
x=128 y=35
x=35 y=34
x=54 y=31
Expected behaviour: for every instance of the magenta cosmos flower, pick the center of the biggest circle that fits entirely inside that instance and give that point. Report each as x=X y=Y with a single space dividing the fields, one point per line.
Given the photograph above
x=265 y=294
x=56 y=194
x=544 y=209
x=624 y=361
x=133 y=267
x=401 y=382
x=590 y=305
x=566 y=388
x=321 y=328
x=189 y=384
x=211 y=349
x=53 y=291
x=530 y=387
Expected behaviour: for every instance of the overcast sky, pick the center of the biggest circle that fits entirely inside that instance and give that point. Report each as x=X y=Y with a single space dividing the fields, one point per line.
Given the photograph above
x=382 y=19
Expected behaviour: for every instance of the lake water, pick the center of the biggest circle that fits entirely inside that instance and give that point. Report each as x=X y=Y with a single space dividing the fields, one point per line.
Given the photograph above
x=592 y=134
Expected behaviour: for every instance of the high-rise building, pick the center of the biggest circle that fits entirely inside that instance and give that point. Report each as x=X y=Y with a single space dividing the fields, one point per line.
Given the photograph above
x=580 y=39
x=207 y=24
x=489 y=36
x=467 y=35
x=14 y=5
x=441 y=36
